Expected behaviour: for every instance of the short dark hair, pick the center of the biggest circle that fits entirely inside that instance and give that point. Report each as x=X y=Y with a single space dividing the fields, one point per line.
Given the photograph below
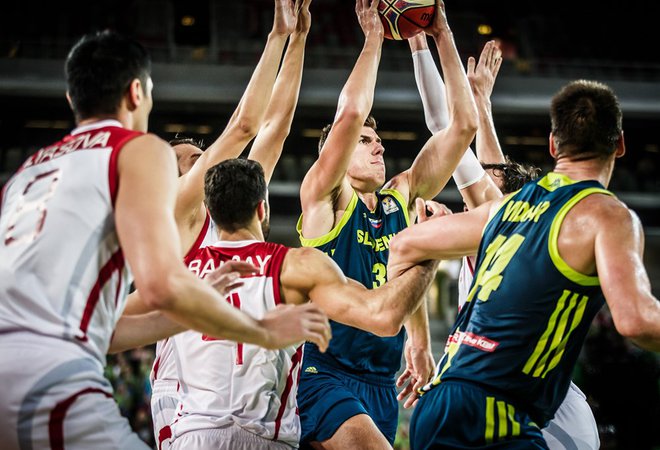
x=99 y=69
x=369 y=122
x=178 y=140
x=514 y=175
x=233 y=190
x=586 y=120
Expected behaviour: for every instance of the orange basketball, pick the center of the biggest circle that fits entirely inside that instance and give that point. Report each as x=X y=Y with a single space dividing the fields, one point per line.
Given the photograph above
x=403 y=19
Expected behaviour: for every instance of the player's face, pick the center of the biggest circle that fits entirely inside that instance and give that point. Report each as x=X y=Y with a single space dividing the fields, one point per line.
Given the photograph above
x=367 y=162
x=186 y=156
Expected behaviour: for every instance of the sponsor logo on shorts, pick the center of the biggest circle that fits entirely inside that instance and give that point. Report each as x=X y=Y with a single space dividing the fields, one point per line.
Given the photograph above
x=311 y=369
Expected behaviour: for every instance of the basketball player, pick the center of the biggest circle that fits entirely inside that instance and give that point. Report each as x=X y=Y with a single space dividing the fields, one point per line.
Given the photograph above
x=349 y=214
x=239 y=396
x=574 y=425
x=266 y=109
x=550 y=255
x=74 y=217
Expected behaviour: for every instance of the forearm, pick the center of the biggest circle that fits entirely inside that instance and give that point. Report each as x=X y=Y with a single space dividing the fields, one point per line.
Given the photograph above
x=358 y=92
x=143 y=329
x=460 y=101
x=267 y=147
x=196 y=305
x=417 y=327
x=489 y=150
x=431 y=89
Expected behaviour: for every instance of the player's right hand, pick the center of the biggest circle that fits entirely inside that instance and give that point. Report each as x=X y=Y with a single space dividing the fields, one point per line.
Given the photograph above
x=288 y=325
x=368 y=17
x=284 y=22
x=227 y=277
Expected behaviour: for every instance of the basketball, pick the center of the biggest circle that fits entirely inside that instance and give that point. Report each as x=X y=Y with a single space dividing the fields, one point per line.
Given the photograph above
x=403 y=19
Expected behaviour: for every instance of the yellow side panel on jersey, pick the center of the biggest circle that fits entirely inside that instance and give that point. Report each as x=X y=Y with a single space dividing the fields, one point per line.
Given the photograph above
x=560 y=264
x=332 y=234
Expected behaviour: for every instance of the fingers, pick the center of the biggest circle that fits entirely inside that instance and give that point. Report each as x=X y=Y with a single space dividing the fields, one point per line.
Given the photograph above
x=403 y=377
x=471 y=64
x=420 y=208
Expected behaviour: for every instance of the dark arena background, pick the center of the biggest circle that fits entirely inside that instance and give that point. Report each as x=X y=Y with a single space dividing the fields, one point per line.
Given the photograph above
x=205 y=50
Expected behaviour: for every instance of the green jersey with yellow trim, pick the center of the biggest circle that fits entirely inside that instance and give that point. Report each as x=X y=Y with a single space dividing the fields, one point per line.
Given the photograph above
x=359 y=244
x=528 y=312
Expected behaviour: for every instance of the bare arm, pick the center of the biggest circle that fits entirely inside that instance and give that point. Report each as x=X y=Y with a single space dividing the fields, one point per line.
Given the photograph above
x=326 y=175
x=246 y=119
x=482 y=77
x=267 y=147
x=442 y=152
x=619 y=248
x=147 y=232
x=446 y=237
x=310 y=274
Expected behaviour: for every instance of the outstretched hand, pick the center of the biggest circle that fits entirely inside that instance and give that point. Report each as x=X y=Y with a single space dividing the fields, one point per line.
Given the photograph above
x=419 y=370
x=303 y=16
x=285 y=17
x=482 y=75
x=289 y=325
x=227 y=277
x=368 y=17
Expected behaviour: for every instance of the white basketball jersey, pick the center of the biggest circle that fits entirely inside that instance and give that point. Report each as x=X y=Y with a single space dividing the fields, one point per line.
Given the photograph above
x=164 y=366
x=224 y=383
x=465 y=277
x=62 y=272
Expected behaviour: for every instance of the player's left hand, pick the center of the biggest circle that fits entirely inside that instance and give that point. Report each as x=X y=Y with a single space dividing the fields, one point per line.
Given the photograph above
x=419 y=370
x=429 y=209
x=285 y=17
x=304 y=18
x=482 y=74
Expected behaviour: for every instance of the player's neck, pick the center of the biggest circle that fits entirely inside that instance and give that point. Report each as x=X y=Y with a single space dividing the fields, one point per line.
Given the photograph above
x=121 y=118
x=250 y=233
x=366 y=191
x=591 y=169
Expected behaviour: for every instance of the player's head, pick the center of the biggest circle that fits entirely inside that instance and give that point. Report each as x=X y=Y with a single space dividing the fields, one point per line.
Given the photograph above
x=235 y=192
x=511 y=176
x=105 y=69
x=188 y=151
x=586 y=122
x=366 y=162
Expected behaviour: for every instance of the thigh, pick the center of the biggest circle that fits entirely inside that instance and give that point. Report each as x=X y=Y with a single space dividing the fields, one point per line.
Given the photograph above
x=225 y=438
x=574 y=426
x=460 y=416
x=359 y=431
x=381 y=404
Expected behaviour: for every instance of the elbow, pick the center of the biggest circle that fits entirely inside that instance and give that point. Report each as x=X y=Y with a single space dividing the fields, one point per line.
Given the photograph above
x=388 y=328
x=633 y=328
x=349 y=112
x=156 y=291
x=245 y=125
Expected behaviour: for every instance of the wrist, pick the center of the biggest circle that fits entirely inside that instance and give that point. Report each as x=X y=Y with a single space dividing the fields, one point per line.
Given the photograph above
x=278 y=36
x=442 y=33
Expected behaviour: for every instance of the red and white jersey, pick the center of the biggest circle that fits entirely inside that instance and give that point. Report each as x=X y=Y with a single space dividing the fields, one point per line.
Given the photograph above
x=225 y=383
x=62 y=272
x=164 y=366
x=465 y=277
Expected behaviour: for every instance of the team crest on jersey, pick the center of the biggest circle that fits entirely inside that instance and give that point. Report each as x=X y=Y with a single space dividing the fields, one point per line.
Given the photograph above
x=389 y=205
x=311 y=369
x=376 y=223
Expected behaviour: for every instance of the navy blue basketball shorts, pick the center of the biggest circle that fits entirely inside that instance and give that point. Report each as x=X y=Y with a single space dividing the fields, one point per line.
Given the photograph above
x=328 y=397
x=457 y=415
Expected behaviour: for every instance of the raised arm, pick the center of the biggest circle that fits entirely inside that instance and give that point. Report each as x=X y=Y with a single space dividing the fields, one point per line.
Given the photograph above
x=310 y=274
x=267 y=147
x=471 y=180
x=246 y=119
x=482 y=77
x=619 y=252
x=148 y=235
x=324 y=183
x=440 y=155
